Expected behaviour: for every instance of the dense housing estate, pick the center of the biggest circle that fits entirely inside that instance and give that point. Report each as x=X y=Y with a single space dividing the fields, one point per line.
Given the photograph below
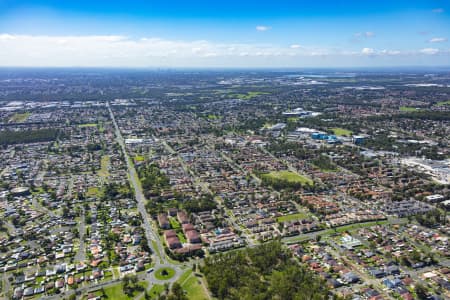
x=152 y=178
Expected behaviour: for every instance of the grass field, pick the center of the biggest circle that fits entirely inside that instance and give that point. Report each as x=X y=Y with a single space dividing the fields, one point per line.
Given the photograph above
x=116 y=291
x=180 y=235
x=139 y=158
x=184 y=276
x=174 y=223
x=19 y=117
x=213 y=117
x=298 y=216
x=350 y=227
x=408 y=109
x=290 y=177
x=341 y=131
x=104 y=165
x=327 y=170
x=360 y=225
x=160 y=276
x=194 y=289
x=87 y=125
x=93 y=191
x=116 y=272
x=191 y=285
x=156 y=290
x=442 y=103
x=249 y=95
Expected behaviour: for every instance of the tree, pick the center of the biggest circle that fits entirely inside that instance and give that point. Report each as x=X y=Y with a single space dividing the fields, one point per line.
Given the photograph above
x=166 y=287
x=130 y=285
x=177 y=292
x=264 y=272
x=421 y=292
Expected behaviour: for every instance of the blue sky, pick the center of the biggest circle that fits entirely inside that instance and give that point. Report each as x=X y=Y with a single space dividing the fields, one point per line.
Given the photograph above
x=231 y=33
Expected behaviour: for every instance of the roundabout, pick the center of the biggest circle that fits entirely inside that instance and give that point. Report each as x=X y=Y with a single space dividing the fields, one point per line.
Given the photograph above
x=164 y=273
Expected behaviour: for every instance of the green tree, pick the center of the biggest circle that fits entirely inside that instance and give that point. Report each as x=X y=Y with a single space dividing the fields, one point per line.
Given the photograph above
x=421 y=292
x=177 y=292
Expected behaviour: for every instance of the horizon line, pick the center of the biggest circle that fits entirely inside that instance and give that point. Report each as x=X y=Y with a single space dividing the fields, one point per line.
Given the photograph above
x=153 y=68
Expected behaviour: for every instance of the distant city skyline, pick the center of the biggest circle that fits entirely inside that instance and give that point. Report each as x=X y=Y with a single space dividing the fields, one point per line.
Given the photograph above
x=236 y=34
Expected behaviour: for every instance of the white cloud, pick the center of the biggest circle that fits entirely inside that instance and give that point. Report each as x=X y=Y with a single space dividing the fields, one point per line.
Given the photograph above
x=5 y=36
x=429 y=51
x=368 y=51
x=367 y=34
x=124 y=51
x=438 y=10
x=118 y=51
x=390 y=52
x=437 y=40
x=263 y=28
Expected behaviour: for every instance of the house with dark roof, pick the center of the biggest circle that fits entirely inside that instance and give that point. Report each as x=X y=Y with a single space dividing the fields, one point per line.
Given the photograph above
x=172 y=240
x=193 y=237
x=182 y=217
x=163 y=221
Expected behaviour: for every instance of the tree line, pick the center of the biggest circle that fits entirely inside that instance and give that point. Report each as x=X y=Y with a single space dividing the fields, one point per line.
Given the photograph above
x=267 y=271
x=9 y=137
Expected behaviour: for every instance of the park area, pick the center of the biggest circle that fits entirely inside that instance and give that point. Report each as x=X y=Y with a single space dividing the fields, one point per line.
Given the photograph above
x=248 y=95
x=288 y=176
x=341 y=131
x=116 y=291
x=408 y=109
x=442 y=103
x=19 y=117
x=292 y=217
x=192 y=284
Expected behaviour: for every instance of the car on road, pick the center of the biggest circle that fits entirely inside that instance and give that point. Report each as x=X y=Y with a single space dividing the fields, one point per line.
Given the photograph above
x=150 y=270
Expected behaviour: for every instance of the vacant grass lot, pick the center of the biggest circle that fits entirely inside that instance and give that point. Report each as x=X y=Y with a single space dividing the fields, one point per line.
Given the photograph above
x=87 y=125
x=156 y=290
x=249 y=95
x=93 y=191
x=104 y=166
x=116 y=292
x=214 y=117
x=192 y=286
x=194 y=289
x=139 y=158
x=341 y=131
x=408 y=108
x=19 y=117
x=289 y=176
x=297 y=216
x=442 y=103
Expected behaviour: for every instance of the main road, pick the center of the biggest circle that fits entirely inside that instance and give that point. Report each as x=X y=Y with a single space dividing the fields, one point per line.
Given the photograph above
x=154 y=243
x=151 y=235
